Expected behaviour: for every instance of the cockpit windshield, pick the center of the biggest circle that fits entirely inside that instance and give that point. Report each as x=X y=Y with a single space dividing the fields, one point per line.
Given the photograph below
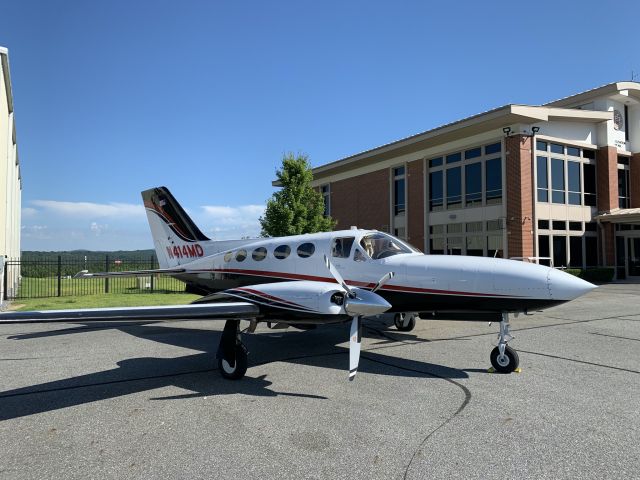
x=381 y=245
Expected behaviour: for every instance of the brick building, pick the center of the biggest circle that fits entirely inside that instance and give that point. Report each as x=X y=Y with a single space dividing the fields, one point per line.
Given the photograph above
x=559 y=181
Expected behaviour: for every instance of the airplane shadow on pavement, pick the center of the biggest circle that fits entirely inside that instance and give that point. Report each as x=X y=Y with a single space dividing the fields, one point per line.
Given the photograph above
x=195 y=373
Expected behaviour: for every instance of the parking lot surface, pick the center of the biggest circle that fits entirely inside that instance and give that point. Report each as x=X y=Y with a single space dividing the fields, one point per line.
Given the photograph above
x=144 y=400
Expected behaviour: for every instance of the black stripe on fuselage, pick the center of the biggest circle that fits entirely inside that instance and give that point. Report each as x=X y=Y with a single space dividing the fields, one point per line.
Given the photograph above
x=400 y=301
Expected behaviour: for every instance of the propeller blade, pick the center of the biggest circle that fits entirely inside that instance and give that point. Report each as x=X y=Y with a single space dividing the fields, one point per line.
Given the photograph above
x=355 y=340
x=338 y=277
x=382 y=281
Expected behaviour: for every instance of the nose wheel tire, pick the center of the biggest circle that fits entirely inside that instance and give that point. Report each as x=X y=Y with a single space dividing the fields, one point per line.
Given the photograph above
x=506 y=363
x=239 y=367
x=399 y=320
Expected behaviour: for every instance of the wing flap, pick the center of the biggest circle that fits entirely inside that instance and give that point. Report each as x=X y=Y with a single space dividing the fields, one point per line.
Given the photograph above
x=207 y=311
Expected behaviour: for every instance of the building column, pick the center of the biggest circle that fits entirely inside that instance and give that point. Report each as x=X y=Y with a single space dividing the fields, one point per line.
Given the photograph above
x=607 y=173
x=519 y=196
x=415 y=203
x=634 y=180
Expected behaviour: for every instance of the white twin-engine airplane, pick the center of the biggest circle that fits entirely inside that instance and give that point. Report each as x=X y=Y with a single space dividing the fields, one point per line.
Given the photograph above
x=324 y=278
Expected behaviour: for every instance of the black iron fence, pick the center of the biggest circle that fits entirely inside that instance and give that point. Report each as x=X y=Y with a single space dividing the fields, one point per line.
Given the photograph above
x=53 y=277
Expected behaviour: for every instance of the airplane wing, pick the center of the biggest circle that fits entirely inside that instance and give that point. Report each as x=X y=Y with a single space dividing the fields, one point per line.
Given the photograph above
x=207 y=311
x=130 y=273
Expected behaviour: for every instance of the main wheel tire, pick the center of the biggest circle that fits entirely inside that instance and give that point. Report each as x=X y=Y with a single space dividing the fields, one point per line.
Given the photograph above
x=507 y=363
x=238 y=370
x=398 y=321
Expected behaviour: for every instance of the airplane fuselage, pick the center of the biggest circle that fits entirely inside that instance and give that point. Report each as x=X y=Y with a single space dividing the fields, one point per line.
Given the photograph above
x=422 y=283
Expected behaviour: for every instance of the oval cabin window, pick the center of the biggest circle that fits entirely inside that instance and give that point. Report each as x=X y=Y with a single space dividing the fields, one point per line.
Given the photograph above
x=228 y=256
x=306 y=250
x=241 y=255
x=259 y=253
x=282 y=252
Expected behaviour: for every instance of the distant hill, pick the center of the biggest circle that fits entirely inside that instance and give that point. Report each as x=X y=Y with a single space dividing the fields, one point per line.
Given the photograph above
x=45 y=264
x=124 y=255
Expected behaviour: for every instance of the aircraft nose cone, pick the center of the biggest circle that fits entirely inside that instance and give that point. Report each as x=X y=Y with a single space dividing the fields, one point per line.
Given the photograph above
x=564 y=286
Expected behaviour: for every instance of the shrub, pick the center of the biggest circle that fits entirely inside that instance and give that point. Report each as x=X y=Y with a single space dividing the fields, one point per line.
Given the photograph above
x=600 y=274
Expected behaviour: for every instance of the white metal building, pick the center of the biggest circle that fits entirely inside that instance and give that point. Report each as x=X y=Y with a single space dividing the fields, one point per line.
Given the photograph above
x=10 y=178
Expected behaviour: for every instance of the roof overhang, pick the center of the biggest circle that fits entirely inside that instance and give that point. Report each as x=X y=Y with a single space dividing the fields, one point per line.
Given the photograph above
x=477 y=124
x=622 y=89
x=4 y=58
x=621 y=215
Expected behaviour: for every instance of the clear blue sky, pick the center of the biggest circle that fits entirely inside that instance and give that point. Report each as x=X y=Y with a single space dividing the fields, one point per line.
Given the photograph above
x=117 y=96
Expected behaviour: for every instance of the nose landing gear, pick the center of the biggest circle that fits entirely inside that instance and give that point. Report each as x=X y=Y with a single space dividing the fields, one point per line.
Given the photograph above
x=504 y=359
x=404 y=322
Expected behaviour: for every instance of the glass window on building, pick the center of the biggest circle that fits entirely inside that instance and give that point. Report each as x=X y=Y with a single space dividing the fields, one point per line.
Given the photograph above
x=573 y=182
x=542 y=178
x=473 y=153
x=455 y=228
x=556 y=148
x=436 y=192
x=454 y=245
x=454 y=188
x=326 y=198
x=542 y=146
x=623 y=188
x=473 y=184
x=435 y=162
x=474 y=227
x=573 y=151
x=589 y=172
x=543 y=249
x=494 y=246
x=454 y=157
x=398 y=191
x=591 y=251
x=575 y=252
x=493 y=174
x=493 y=148
x=557 y=180
x=436 y=246
x=475 y=246
x=559 y=251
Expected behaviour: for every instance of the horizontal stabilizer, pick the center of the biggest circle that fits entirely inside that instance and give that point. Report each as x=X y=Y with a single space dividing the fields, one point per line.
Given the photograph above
x=207 y=311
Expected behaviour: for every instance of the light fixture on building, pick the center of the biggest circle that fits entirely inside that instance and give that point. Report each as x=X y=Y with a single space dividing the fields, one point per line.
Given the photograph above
x=535 y=130
x=507 y=131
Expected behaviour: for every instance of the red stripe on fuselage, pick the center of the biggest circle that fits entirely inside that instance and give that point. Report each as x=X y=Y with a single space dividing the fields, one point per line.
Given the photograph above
x=396 y=288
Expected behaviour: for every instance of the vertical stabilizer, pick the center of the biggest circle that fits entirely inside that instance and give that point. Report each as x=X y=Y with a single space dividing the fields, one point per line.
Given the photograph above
x=175 y=236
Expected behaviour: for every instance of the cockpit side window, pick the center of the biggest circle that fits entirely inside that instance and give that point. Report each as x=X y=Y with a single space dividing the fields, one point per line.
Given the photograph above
x=358 y=256
x=342 y=247
x=381 y=245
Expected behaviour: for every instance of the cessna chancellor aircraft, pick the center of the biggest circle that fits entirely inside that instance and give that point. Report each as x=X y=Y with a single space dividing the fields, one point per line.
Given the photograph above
x=325 y=278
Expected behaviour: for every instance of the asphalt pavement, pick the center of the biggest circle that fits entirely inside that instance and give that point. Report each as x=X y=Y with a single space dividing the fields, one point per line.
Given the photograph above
x=144 y=400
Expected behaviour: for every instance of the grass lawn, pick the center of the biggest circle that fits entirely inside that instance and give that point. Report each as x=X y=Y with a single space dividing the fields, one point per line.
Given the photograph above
x=103 y=300
x=48 y=286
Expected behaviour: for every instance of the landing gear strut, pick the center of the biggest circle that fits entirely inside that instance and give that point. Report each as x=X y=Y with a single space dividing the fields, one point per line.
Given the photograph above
x=404 y=322
x=232 y=354
x=504 y=359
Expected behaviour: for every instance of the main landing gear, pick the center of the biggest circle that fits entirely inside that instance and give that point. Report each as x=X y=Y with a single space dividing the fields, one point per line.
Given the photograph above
x=404 y=322
x=504 y=359
x=232 y=354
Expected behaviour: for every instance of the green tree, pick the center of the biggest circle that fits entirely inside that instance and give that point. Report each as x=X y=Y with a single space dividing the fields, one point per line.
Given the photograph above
x=297 y=208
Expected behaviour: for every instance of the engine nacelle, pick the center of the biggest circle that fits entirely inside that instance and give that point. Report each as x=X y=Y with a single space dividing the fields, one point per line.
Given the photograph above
x=324 y=298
